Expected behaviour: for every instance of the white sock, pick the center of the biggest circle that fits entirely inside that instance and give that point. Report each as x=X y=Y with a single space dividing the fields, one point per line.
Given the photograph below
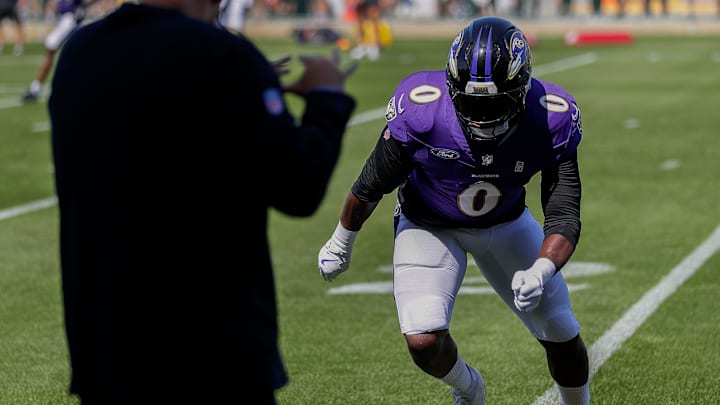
x=373 y=52
x=459 y=376
x=575 y=395
x=35 y=87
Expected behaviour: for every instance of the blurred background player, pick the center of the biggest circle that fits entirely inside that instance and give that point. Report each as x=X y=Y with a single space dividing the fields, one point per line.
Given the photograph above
x=663 y=8
x=233 y=14
x=460 y=145
x=69 y=15
x=9 y=10
x=485 y=7
x=647 y=8
x=368 y=30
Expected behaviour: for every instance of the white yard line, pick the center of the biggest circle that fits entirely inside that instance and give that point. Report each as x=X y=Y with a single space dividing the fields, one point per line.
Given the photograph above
x=10 y=103
x=22 y=60
x=26 y=208
x=367 y=116
x=565 y=64
x=626 y=326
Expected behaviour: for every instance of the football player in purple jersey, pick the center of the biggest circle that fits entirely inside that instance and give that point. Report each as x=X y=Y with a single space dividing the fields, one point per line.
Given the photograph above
x=460 y=145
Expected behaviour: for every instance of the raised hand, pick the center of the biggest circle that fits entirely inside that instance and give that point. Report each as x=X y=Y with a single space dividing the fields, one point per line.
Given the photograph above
x=321 y=73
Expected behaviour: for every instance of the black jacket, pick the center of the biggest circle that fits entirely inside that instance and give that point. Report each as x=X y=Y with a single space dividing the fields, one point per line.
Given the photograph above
x=171 y=141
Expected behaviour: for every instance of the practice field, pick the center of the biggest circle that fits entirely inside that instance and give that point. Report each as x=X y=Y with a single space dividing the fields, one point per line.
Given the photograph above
x=643 y=280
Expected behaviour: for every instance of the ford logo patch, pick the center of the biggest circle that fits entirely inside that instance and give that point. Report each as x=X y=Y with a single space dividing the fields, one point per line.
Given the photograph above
x=445 y=153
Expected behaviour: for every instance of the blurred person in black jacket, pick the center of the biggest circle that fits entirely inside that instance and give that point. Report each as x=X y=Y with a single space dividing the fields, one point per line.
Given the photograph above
x=171 y=141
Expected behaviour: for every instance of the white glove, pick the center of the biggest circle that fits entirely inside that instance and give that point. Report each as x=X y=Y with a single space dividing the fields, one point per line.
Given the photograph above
x=528 y=284
x=334 y=257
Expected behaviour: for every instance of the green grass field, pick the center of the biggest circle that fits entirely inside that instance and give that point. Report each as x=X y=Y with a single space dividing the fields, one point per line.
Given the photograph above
x=650 y=158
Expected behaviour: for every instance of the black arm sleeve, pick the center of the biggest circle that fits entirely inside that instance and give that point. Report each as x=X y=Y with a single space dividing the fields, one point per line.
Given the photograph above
x=385 y=169
x=560 y=196
x=309 y=151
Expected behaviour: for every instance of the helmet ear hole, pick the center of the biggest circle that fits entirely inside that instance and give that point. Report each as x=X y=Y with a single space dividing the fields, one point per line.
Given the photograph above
x=489 y=69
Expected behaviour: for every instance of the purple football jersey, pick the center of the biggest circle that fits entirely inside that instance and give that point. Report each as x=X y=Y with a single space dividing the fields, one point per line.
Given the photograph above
x=484 y=185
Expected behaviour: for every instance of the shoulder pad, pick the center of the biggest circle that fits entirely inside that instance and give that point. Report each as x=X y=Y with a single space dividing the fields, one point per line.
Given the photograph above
x=561 y=111
x=416 y=104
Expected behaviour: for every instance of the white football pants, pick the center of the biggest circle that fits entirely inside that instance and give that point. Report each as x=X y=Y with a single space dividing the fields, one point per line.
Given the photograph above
x=429 y=266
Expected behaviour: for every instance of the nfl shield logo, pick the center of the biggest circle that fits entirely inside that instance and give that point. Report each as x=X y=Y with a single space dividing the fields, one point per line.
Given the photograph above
x=487 y=160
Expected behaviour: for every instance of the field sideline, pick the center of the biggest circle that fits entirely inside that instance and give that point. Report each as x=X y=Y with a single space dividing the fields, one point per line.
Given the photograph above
x=550 y=26
x=266 y=28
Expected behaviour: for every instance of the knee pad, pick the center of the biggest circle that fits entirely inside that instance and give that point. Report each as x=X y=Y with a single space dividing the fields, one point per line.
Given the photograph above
x=561 y=327
x=424 y=314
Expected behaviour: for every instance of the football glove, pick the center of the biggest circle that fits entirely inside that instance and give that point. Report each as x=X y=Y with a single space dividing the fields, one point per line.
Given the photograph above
x=528 y=284
x=334 y=256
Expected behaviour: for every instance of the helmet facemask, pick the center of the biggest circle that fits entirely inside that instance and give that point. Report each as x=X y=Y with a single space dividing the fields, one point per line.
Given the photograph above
x=486 y=117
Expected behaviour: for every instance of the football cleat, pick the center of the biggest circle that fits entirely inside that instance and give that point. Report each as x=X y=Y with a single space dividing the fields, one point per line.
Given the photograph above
x=476 y=394
x=373 y=52
x=29 y=97
x=358 y=52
